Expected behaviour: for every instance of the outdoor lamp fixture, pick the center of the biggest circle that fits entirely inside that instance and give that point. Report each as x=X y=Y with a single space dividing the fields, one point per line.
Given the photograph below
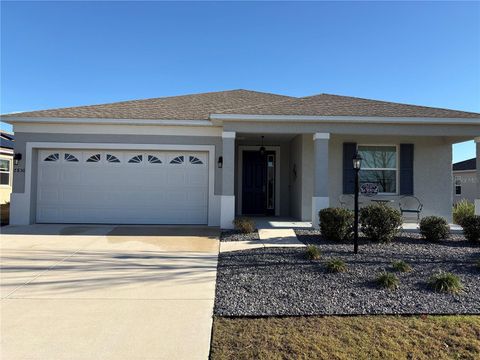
x=357 y=164
x=262 y=148
x=220 y=162
x=16 y=158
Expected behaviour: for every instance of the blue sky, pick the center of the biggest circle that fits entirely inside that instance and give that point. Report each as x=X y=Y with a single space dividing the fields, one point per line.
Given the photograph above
x=56 y=54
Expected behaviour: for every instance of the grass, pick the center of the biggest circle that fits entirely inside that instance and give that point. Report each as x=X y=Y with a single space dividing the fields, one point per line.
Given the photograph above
x=388 y=280
x=312 y=252
x=342 y=338
x=336 y=266
x=446 y=283
x=401 y=266
x=4 y=213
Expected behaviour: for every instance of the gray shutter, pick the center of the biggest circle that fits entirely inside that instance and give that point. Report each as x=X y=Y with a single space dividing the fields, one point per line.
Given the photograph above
x=406 y=169
x=349 y=150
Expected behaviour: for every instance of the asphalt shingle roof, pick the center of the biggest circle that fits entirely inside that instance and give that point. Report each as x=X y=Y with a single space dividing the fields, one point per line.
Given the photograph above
x=336 y=105
x=470 y=164
x=185 y=107
x=200 y=106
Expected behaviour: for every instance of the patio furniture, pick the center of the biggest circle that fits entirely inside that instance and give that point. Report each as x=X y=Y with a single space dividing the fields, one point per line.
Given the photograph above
x=411 y=205
x=383 y=201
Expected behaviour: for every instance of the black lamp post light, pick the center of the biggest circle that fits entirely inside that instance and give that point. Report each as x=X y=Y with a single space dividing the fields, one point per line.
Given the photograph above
x=357 y=164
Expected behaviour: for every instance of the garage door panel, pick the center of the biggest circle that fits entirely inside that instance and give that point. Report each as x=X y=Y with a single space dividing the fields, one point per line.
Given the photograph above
x=110 y=189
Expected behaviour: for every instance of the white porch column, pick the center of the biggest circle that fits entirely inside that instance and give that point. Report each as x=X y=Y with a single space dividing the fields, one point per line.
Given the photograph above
x=477 y=197
x=320 y=198
x=227 y=201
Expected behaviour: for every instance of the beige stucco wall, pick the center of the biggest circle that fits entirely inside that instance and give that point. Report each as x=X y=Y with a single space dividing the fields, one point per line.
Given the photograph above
x=468 y=181
x=432 y=170
x=6 y=190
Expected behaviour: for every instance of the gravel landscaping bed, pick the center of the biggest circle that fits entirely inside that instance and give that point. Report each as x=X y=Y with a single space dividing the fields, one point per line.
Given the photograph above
x=281 y=281
x=235 y=235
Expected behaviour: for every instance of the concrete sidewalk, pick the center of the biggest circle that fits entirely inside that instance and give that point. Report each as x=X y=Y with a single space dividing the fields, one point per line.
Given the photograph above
x=268 y=238
x=107 y=292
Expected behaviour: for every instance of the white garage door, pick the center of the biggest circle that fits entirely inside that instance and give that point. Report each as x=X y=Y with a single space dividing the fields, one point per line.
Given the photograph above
x=122 y=187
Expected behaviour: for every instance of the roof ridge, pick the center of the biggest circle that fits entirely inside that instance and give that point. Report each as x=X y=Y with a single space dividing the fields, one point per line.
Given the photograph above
x=389 y=102
x=143 y=100
x=252 y=106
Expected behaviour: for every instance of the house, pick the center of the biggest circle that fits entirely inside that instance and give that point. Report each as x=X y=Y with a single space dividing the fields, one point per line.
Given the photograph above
x=465 y=180
x=205 y=158
x=6 y=165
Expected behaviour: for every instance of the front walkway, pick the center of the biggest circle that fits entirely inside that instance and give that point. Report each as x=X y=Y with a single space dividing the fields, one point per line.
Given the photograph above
x=104 y=292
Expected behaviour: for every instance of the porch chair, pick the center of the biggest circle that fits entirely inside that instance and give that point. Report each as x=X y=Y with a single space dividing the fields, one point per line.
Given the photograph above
x=411 y=205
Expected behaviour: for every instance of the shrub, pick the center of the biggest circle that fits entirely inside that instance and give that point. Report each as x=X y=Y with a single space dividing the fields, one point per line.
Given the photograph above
x=471 y=227
x=446 y=283
x=336 y=224
x=336 y=266
x=312 y=252
x=380 y=222
x=434 y=228
x=401 y=266
x=388 y=280
x=461 y=210
x=244 y=225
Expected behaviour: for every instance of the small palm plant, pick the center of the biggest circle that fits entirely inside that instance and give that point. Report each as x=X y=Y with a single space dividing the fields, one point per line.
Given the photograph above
x=336 y=266
x=388 y=280
x=446 y=282
x=313 y=252
x=401 y=266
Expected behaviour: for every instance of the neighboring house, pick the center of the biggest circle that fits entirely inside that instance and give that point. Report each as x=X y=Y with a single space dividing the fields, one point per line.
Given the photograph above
x=196 y=159
x=6 y=165
x=465 y=180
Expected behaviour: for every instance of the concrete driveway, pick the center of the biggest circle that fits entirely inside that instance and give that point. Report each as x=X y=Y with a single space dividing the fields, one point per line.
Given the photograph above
x=106 y=292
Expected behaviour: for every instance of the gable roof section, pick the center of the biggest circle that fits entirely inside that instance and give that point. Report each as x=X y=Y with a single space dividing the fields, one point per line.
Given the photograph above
x=470 y=164
x=336 y=105
x=184 y=107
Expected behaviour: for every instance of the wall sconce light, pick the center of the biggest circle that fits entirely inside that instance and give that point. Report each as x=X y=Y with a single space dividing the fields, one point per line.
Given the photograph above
x=220 y=162
x=16 y=158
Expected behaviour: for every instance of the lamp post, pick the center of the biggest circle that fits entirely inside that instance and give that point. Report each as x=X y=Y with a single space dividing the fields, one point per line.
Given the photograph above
x=357 y=164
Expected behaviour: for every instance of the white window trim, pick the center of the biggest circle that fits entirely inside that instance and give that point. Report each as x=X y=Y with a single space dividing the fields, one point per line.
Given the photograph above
x=397 y=169
x=31 y=146
x=9 y=172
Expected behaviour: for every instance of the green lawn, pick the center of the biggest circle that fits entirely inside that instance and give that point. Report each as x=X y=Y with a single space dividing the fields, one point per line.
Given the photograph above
x=361 y=337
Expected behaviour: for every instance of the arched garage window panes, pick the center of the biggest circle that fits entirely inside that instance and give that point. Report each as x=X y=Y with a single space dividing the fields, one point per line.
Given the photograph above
x=52 y=157
x=136 y=159
x=154 y=160
x=195 y=160
x=112 y=158
x=94 y=158
x=177 y=160
x=70 y=158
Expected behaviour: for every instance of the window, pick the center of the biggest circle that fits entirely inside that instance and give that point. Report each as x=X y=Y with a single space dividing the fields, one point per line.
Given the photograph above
x=136 y=159
x=52 y=157
x=458 y=187
x=94 y=158
x=177 y=160
x=196 y=161
x=112 y=158
x=4 y=172
x=154 y=160
x=70 y=158
x=379 y=166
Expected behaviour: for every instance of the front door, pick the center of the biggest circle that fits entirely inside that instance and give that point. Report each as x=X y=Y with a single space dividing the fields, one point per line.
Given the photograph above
x=258 y=183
